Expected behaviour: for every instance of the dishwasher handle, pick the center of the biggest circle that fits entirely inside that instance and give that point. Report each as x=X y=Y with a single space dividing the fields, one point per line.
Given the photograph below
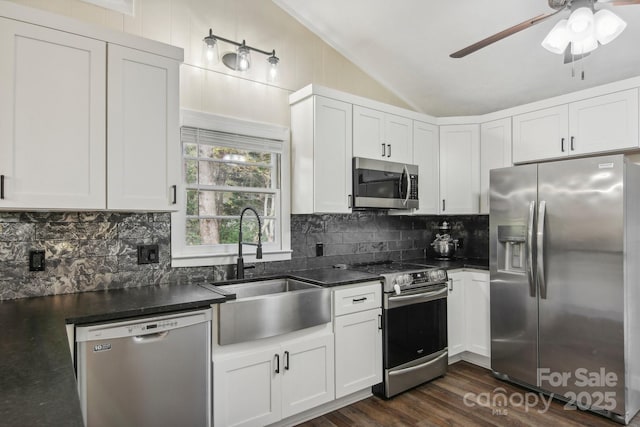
x=156 y=336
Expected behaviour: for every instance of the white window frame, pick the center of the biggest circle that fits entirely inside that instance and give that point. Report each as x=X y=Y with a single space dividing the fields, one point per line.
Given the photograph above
x=183 y=255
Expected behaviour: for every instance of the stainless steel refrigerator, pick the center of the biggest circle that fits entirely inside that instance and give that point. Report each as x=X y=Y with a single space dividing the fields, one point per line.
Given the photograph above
x=565 y=281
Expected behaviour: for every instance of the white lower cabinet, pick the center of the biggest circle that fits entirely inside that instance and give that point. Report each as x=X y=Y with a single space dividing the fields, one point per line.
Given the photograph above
x=358 y=337
x=468 y=315
x=358 y=351
x=455 y=314
x=265 y=385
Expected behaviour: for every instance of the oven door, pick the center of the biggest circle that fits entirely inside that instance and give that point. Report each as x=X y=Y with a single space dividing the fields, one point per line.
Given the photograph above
x=415 y=326
x=385 y=185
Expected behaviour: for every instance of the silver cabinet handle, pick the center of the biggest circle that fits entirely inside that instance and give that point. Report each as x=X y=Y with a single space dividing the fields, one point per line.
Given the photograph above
x=530 y=237
x=286 y=360
x=357 y=300
x=540 y=249
x=562 y=145
x=384 y=152
x=443 y=205
x=379 y=322
x=572 y=138
x=388 y=150
x=349 y=201
x=451 y=285
x=277 y=357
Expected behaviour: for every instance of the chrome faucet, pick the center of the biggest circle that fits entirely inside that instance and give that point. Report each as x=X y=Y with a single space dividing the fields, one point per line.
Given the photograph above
x=240 y=265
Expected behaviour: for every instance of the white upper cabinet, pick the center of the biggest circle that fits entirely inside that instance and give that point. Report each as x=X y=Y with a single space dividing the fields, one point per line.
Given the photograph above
x=426 y=153
x=52 y=118
x=605 y=123
x=594 y=125
x=459 y=169
x=495 y=152
x=143 y=131
x=541 y=134
x=379 y=135
x=85 y=122
x=321 y=132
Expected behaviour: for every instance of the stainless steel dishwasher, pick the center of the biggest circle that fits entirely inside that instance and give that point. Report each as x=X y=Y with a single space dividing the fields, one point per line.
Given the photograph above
x=153 y=371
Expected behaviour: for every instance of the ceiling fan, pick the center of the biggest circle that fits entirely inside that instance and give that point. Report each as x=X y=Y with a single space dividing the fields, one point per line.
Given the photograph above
x=561 y=36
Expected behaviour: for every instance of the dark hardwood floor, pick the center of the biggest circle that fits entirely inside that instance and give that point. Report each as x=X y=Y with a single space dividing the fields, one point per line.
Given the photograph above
x=442 y=403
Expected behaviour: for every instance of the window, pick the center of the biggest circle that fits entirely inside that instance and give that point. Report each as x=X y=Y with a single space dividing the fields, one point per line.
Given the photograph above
x=227 y=166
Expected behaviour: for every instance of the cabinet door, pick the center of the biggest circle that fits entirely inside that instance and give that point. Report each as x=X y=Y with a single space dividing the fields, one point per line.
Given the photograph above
x=247 y=389
x=541 y=134
x=52 y=118
x=604 y=123
x=478 y=322
x=368 y=133
x=495 y=152
x=332 y=154
x=143 y=143
x=358 y=351
x=398 y=136
x=308 y=374
x=456 y=314
x=426 y=153
x=459 y=169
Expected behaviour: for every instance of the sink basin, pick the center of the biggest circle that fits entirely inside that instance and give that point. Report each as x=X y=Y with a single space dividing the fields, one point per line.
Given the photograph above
x=265 y=287
x=267 y=308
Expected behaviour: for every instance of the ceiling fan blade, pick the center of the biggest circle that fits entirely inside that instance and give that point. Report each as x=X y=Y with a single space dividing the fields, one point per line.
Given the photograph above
x=503 y=34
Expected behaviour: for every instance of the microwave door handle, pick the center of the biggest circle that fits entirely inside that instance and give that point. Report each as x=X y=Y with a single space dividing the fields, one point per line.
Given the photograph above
x=405 y=173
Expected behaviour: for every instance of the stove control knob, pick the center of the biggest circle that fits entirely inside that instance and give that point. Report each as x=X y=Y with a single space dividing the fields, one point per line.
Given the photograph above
x=396 y=288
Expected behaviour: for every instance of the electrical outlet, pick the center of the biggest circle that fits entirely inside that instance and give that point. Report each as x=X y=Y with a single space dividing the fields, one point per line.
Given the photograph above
x=148 y=254
x=36 y=260
x=319 y=249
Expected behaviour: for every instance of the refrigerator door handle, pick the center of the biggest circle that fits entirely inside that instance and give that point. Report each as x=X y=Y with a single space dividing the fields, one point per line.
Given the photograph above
x=540 y=249
x=530 y=237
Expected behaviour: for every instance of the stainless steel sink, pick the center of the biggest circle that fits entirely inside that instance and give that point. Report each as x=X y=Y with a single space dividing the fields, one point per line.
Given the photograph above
x=266 y=308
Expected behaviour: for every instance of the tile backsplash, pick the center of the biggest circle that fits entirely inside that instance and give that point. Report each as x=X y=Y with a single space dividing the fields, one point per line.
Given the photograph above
x=98 y=250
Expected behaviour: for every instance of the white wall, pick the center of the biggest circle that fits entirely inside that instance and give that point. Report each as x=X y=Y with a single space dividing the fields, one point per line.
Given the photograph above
x=304 y=58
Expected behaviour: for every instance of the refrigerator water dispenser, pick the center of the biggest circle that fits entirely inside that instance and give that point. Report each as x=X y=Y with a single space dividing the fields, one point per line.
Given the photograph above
x=511 y=248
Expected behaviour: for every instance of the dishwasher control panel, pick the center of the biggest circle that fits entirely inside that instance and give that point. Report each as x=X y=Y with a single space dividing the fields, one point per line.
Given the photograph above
x=136 y=327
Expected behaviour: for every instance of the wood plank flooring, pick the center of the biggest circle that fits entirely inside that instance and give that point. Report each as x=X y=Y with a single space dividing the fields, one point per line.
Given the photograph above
x=442 y=403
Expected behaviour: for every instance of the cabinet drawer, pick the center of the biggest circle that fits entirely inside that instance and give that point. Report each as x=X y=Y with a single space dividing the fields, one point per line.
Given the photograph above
x=358 y=298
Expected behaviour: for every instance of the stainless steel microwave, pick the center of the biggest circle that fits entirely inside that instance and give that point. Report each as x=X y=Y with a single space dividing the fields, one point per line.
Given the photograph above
x=378 y=184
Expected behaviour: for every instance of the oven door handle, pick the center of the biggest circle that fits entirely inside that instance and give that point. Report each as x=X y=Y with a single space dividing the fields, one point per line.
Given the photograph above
x=401 y=300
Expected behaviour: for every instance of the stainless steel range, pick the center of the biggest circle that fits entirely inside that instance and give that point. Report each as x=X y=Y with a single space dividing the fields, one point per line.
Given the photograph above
x=414 y=324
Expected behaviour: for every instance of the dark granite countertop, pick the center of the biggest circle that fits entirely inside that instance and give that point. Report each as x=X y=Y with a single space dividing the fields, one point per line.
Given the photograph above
x=38 y=386
x=477 y=263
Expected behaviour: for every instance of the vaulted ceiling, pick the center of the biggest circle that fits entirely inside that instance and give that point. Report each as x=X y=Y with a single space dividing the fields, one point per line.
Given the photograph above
x=405 y=45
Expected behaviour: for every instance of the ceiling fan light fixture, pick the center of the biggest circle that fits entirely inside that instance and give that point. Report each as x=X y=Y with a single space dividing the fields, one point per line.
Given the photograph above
x=580 y=24
x=608 y=26
x=584 y=46
x=557 y=39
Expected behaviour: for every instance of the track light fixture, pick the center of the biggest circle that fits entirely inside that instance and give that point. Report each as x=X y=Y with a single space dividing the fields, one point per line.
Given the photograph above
x=240 y=60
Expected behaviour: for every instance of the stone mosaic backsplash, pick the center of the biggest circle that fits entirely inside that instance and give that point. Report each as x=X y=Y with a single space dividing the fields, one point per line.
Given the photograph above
x=89 y=251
